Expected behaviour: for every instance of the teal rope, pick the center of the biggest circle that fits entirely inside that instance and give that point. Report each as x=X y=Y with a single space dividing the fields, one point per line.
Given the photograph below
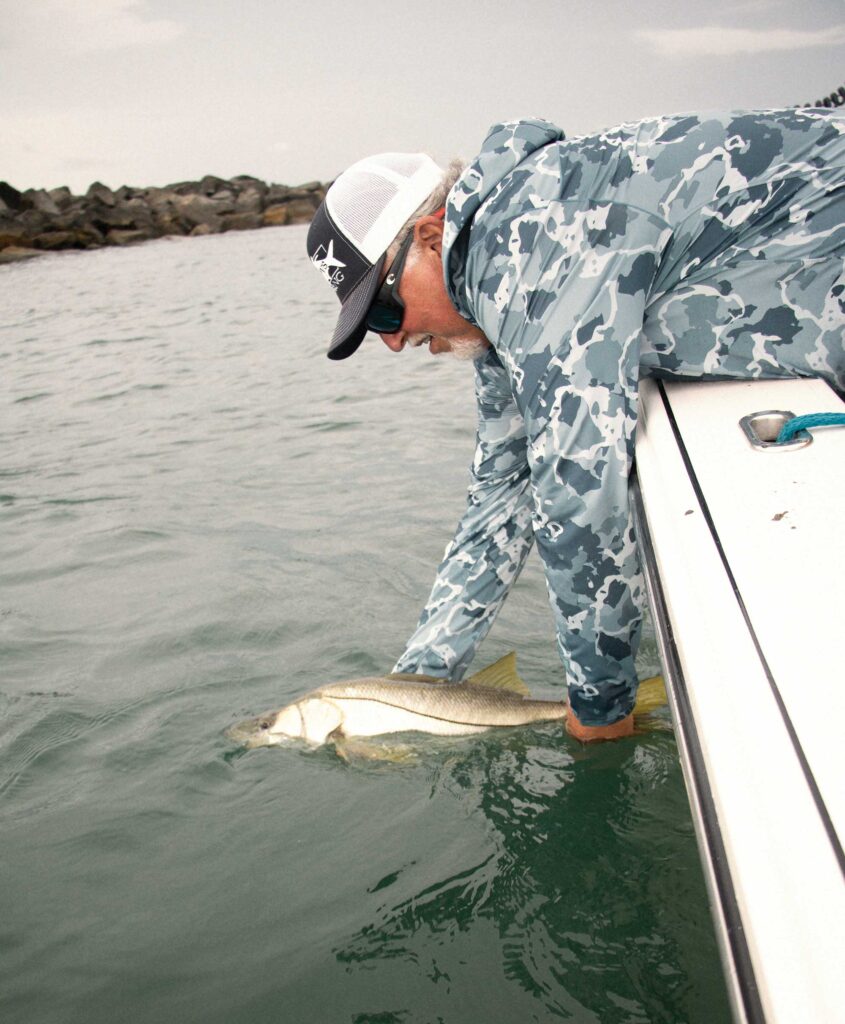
x=813 y=419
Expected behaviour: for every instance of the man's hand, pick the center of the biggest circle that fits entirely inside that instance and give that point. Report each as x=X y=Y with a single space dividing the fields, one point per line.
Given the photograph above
x=589 y=733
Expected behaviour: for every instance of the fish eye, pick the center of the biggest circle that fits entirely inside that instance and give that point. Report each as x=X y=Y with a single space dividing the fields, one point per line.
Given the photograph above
x=265 y=724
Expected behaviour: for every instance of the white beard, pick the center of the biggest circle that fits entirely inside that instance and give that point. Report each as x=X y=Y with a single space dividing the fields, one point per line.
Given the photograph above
x=468 y=349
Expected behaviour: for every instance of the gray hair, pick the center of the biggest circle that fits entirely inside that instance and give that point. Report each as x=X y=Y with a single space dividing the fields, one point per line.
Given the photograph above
x=429 y=206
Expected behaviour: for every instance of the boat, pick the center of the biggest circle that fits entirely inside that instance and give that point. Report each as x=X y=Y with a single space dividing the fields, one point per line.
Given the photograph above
x=743 y=548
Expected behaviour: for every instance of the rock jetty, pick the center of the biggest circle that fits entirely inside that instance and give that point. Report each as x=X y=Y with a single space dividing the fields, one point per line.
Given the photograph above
x=41 y=220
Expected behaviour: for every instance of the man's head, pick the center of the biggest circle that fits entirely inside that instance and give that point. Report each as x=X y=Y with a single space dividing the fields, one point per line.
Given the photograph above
x=377 y=239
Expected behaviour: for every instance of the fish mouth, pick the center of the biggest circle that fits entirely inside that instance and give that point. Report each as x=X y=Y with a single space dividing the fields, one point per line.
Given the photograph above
x=241 y=737
x=252 y=733
x=250 y=741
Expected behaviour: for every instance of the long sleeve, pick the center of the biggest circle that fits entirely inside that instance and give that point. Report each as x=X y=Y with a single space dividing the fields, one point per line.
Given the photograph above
x=562 y=292
x=682 y=246
x=491 y=543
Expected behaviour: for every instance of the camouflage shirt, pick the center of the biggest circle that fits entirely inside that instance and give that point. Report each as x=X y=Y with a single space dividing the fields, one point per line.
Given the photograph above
x=709 y=246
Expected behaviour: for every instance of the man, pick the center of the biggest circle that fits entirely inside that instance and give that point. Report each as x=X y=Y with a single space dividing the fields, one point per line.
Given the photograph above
x=707 y=247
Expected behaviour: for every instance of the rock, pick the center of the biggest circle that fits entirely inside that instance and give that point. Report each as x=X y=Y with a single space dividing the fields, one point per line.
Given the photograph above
x=88 y=237
x=133 y=214
x=61 y=196
x=210 y=184
x=276 y=194
x=303 y=193
x=12 y=236
x=275 y=216
x=118 y=237
x=225 y=199
x=52 y=240
x=38 y=199
x=183 y=188
x=301 y=211
x=249 y=201
x=104 y=218
x=245 y=182
x=102 y=193
x=195 y=210
x=136 y=213
x=11 y=197
x=33 y=222
x=167 y=222
x=242 y=221
x=41 y=220
x=75 y=216
x=14 y=253
x=160 y=197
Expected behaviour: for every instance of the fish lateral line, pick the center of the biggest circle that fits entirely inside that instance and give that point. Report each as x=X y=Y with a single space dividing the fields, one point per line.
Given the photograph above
x=337 y=699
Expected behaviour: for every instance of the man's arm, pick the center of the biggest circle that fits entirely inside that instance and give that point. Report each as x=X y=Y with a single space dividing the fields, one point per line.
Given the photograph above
x=561 y=289
x=492 y=540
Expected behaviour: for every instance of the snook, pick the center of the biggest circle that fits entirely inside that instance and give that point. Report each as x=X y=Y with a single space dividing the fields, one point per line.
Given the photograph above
x=493 y=698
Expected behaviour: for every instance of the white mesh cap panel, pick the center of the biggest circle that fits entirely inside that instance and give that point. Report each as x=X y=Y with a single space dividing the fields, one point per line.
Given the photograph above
x=372 y=200
x=406 y=164
x=357 y=200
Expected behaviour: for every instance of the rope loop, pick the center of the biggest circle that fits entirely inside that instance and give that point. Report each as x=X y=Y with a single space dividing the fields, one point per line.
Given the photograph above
x=813 y=419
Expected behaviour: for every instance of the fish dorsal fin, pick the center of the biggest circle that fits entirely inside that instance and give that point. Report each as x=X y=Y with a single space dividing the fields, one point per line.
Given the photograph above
x=501 y=675
x=650 y=696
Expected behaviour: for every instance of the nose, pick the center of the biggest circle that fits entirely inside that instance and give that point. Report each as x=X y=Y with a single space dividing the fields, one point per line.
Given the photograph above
x=395 y=342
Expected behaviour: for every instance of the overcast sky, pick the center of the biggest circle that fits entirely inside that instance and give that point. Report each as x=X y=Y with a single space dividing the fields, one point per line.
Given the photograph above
x=148 y=92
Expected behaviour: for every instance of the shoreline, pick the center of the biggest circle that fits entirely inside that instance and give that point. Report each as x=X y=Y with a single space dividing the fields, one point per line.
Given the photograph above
x=40 y=221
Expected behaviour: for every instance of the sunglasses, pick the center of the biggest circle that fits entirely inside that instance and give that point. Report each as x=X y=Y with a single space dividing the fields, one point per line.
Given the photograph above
x=387 y=310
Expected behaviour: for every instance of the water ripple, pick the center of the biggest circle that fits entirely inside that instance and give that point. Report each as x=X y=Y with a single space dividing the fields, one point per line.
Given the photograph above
x=200 y=518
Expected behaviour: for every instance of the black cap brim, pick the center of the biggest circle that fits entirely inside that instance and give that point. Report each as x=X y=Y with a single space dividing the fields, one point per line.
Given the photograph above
x=350 y=328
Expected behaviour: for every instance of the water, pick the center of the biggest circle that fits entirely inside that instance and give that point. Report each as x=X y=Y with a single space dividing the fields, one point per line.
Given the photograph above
x=201 y=517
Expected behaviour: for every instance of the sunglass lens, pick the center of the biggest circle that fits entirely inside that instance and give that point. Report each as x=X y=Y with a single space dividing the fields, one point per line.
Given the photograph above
x=384 y=319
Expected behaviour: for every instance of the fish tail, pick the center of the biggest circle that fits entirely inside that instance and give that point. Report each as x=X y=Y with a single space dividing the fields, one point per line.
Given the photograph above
x=650 y=696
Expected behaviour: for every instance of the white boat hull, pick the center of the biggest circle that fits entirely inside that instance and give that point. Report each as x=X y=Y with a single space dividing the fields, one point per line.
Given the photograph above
x=744 y=553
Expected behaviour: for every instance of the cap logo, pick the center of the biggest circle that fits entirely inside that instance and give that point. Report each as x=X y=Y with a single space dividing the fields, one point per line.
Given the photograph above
x=327 y=263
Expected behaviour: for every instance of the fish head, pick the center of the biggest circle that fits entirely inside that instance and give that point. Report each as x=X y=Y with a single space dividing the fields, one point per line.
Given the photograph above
x=310 y=719
x=267 y=730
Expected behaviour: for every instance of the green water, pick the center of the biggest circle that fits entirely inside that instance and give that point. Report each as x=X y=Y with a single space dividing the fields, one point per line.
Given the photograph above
x=201 y=518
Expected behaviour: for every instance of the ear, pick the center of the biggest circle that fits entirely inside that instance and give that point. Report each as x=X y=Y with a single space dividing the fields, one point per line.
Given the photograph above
x=428 y=233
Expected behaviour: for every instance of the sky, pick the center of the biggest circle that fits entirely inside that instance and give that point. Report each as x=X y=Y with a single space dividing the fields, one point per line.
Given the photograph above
x=150 y=92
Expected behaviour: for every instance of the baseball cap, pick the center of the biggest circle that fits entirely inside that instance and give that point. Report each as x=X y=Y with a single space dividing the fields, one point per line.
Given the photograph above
x=353 y=227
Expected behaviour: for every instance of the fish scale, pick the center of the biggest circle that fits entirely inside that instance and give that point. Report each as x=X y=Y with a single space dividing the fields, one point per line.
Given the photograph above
x=451 y=702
